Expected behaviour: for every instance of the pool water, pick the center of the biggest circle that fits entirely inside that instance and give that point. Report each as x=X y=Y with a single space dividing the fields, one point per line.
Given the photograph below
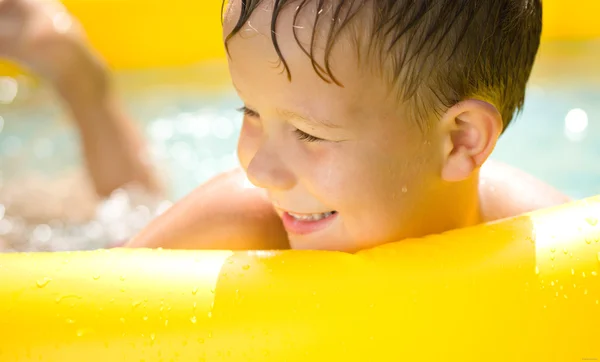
x=189 y=117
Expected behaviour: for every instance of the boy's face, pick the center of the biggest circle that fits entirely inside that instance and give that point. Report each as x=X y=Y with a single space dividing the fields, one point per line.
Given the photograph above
x=373 y=176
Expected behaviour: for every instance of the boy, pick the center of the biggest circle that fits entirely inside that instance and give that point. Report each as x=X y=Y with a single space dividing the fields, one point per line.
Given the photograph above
x=365 y=122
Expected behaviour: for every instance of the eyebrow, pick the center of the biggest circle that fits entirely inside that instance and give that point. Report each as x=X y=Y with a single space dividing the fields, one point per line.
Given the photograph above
x=306 y=119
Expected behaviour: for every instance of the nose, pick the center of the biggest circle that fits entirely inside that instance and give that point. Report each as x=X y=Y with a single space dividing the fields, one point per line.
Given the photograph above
x=267 y=170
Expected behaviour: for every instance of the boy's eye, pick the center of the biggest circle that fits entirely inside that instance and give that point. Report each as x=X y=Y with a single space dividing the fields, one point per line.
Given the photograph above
x=248 y=112
x=303 y=136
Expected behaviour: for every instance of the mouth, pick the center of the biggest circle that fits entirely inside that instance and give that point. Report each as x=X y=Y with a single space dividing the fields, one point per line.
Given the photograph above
x=302 y=224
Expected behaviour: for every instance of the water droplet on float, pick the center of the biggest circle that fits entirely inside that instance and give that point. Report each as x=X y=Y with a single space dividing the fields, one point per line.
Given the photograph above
x=246 y=267
x=200 y=340
x=591 y=220
x=96 y=277
x=572 y=271
x=122 y=278
x=588 y=241
x=145 y=318
x=43 y=282
x=194 y=291
x=585 y=292
x=565 y=251
x=152 y=337
x=552 y=283
x=583 y=274
x=209 y=314
x=552 y=250
x=70 y=321
x=594 y=273
x=552 y=257
x=136 y=304
x=537 y=270
x=404 y=189
x=193 y=320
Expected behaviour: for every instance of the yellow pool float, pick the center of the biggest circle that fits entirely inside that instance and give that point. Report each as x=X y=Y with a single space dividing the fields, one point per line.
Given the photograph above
x=133 y=34
x=522 y=289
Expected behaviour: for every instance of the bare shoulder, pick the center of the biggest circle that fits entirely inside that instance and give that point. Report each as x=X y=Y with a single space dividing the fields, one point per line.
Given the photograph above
x=223 y=213
x=506 y=191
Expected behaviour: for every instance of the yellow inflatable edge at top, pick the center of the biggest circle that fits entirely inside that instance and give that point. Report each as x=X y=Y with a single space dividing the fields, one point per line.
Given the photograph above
x=133 y=34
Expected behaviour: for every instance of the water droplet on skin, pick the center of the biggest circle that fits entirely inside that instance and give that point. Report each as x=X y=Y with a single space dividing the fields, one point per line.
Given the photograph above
x=43 y=282
x=591 y=220
x=193 y=319
x=404 y=189
x=194 y=291
x=246 y=267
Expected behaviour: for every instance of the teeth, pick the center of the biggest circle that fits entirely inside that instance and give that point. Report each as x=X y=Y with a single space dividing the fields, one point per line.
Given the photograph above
x=311 y=217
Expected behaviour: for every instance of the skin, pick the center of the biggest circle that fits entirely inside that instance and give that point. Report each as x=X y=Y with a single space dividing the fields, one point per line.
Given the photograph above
x=386 y=177
x=57 y=52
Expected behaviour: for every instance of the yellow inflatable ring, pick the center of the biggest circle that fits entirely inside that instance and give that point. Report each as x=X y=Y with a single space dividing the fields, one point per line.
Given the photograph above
x=132 y=34
x=522 y=289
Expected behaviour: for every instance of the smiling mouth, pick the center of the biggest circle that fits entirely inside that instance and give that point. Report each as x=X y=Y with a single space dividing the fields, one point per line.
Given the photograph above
x=311 y=217
x=302 y=224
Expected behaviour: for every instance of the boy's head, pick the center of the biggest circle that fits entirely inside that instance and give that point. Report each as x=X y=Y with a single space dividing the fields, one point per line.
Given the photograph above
x=367 y=120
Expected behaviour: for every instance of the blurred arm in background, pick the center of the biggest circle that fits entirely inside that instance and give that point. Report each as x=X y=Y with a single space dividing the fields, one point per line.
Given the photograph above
x=42 y=37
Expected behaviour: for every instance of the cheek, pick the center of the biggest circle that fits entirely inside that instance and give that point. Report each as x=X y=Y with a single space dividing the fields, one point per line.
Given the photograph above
x=248 y=143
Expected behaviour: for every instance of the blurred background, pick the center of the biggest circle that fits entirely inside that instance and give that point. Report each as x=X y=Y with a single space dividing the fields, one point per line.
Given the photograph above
x=169 y=68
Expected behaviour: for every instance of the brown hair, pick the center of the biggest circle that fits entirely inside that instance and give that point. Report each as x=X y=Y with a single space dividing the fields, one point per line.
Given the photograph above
x=434 y=53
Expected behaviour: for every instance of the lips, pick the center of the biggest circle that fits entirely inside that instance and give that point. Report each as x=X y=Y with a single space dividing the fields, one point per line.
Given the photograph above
x=302 y=224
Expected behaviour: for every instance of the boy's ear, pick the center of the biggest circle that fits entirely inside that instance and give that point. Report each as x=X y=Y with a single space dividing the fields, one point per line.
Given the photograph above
x=470 y=131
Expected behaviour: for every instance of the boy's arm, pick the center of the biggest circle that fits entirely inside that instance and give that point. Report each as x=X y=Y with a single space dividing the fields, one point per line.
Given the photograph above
x=58 y=52
x=221 y=214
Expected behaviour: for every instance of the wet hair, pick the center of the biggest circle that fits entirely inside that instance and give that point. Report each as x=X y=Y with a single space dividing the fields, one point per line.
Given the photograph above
x=434 y=53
